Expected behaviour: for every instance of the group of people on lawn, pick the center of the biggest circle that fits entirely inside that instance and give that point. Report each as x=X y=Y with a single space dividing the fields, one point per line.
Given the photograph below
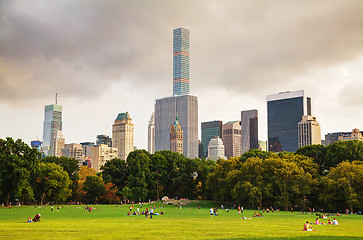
x=308 y=227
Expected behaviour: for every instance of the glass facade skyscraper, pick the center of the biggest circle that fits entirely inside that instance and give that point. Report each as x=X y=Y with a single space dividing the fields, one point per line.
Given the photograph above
x=180 y=61
x=284 y=112
x=52 y=123
x=249 y=130
x=209 y=130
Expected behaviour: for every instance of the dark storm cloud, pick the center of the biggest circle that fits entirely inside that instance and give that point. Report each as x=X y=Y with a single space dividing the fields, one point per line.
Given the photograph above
x=80 y=47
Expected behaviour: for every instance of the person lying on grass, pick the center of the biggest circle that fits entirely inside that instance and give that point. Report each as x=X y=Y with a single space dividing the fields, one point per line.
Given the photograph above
x=307 y=226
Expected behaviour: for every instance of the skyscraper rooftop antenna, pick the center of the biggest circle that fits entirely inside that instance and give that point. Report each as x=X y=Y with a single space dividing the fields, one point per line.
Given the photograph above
x=56 y=98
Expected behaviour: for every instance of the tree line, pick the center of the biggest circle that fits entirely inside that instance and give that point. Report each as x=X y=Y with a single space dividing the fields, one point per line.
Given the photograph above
x=314 y=176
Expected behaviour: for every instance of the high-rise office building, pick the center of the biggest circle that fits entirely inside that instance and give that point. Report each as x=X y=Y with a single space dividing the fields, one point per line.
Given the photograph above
x=176 y=137
x=284 y=112
x=216 y=149
x=151 y=134
x=58 y=144
x=210 y=130
x=180 y=61
x=186 y=106
x=52 y=123
x=231 y=134
x=102 y=154
x=74 y=150
x=123 y=135
x=249 y=130
x=309 y=131
x=103 y=139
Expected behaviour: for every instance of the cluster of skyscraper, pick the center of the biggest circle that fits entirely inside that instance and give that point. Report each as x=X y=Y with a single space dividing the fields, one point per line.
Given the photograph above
x=174 y=125
x=87 y=153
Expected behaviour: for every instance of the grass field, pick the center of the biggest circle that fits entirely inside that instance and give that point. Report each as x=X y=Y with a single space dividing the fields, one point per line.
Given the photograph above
x=111 y=222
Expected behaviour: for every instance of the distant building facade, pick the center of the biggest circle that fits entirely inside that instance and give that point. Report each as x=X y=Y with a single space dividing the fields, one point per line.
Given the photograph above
x=74 y=150
x=231 y=133
x=262 y=145
x=284 y=112
x=102 y=154
x=309 y=131
x=166 y=109
x=216 y=149
x=151 y=135
x=52 y=123
x=176 y=137
x=210 y=130
x=123 y=135
x=36 y=144
x=58 y=144
x=87 y=148
x=354 y=135
x=103 y=139
x=249 y=130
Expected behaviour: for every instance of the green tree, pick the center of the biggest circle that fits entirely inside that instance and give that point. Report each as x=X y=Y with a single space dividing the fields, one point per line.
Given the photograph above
x=158 y=170
x=139 y=174
x=290 y=182
x=318 y=154
x=341 y=151
x=343 y=186
x=115 y=171
x=255 y=153
x=18 y=163
x=217 y=182
x=250 y=186
x=52 y=182
x=94 y=188
x=70 y=165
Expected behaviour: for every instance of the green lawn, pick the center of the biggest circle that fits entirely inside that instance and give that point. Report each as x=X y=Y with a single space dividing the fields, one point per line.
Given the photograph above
x=111 y=222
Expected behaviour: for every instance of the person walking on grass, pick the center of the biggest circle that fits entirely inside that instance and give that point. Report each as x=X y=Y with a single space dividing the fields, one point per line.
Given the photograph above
x=211 y=212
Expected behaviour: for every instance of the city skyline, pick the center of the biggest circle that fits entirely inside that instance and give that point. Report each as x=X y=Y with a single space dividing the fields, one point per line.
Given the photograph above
x=100 y=71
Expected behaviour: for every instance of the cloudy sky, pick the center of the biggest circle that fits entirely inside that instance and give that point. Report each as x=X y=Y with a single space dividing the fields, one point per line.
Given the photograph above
x=106 y=57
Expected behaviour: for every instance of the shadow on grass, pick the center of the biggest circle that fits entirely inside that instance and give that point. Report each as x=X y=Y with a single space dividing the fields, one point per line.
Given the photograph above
x=306 y=237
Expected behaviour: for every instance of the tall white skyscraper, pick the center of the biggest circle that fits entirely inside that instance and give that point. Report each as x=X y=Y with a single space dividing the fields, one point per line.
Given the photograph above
x=52 y=123
x=151 y=134
x=309 y=131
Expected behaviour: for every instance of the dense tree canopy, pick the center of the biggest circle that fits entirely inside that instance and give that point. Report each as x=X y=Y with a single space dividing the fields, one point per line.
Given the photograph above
x=52 y=182
x=314 y=176
x=18 y=163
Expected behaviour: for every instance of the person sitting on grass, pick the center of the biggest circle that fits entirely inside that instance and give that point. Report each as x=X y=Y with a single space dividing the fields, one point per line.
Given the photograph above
x=335 y=222
x=29 y=220
x=330 y=222
x=317 y=222
x=37 y=218
x=307 y=226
